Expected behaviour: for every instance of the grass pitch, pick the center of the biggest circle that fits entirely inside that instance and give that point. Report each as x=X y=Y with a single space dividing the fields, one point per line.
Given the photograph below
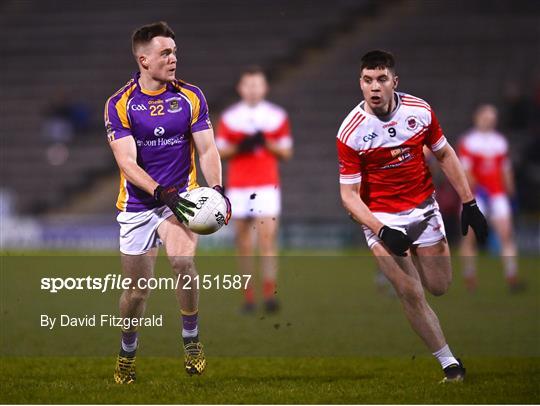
x=275 y=380
x=336 y=341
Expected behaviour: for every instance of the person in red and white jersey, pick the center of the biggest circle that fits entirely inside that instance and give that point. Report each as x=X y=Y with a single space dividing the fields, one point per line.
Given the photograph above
x=484 y=154
x=254 y=134
x=386 y=186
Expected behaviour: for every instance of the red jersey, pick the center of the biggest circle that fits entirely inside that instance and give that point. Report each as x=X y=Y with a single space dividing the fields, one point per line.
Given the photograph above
x=386 y=157
x=485 y=154
x=260 y=167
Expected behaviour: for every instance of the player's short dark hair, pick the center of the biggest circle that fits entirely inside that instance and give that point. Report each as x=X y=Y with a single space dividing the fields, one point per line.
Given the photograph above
x=251 y=70
x=378 y=59
x=144 y=34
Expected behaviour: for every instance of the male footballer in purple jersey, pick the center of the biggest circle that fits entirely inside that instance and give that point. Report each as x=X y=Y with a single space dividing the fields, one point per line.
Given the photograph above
x=154 y=125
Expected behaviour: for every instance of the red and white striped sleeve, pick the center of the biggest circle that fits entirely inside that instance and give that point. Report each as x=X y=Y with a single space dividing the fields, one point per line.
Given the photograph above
x=348 y=157
x=349 y=164
x=435 y=139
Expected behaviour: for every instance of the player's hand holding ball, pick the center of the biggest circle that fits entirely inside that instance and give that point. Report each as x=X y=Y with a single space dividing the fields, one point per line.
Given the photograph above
x=221 y=191
x=396 y=241
x=472 y=216
x=179 y=206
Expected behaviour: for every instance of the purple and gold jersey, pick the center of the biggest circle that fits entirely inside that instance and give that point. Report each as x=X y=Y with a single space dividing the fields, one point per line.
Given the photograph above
x=162 y=122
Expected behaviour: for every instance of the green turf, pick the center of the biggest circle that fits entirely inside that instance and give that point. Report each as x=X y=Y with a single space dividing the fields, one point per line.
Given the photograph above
x=281 y=380
x=336 y=341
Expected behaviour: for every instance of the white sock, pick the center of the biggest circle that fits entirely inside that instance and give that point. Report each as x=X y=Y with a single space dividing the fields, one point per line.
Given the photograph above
x=510 y=266
x=190 y=333
x=445 y=357
x=469 y=271
x=129 y=347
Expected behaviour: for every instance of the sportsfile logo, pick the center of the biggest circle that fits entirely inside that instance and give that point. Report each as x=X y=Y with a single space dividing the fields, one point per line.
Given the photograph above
x=117 y=282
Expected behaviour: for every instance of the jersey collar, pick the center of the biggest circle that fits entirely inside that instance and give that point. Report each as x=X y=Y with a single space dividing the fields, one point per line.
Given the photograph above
x=146 y=91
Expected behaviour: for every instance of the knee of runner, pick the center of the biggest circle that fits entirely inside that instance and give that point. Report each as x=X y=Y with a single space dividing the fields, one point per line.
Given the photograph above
x=183 y=266
x=138 y=294
x=439 y=289
x=411 y=291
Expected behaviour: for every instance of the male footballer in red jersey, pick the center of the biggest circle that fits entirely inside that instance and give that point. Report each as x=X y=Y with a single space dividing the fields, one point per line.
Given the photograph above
x=386 y=186
x=154 y=125
x=484 y=154
x=254 y=134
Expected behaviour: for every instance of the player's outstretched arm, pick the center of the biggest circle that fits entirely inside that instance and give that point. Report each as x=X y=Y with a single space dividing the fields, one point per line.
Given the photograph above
x=125 y=153
x=210 y=162
x=227 y=151
x=209 y=159
x=471 y=216
x=454 y=172
x=397 y=242
x=357 y=209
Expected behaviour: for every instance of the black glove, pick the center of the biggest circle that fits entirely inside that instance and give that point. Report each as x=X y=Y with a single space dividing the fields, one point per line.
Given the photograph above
x=178 y=205
x=221 y=190
x=251 y=142
x=472 y=216
x=396 y=241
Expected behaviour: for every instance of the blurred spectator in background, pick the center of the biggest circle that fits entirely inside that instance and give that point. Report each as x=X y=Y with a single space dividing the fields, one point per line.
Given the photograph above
x=521 y=120
x=517 y=114
x=64 y=119
x=485 y=157
x=254 y=134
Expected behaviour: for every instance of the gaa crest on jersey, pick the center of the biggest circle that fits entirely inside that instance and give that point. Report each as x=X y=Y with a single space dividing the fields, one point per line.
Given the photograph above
x=173 y=105
x=412 y=122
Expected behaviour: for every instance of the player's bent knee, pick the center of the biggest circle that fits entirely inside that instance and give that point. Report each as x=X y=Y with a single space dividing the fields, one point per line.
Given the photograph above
x=137 y=295
x=183 y=265
x=411 y=292
x=440 y=286
x=438 y=289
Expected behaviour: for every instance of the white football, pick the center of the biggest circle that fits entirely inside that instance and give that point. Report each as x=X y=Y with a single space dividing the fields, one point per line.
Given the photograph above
x=209 y=214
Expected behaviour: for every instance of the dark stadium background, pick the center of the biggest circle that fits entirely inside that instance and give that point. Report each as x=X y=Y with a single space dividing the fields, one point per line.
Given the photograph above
x=62 y=59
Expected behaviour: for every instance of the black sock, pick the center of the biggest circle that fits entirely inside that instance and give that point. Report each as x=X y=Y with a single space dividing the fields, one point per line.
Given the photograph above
x=128 y=354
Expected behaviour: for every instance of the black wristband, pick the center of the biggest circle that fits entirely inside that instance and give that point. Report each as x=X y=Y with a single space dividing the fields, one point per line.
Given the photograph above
x=380 y=233
x=157 y=192
x=219 y=188
x=471 y=203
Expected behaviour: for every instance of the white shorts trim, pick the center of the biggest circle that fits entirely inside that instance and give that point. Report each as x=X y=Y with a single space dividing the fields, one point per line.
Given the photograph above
x=496 y=206
x=256 y=201
x=138 y=230
x=423 y=224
